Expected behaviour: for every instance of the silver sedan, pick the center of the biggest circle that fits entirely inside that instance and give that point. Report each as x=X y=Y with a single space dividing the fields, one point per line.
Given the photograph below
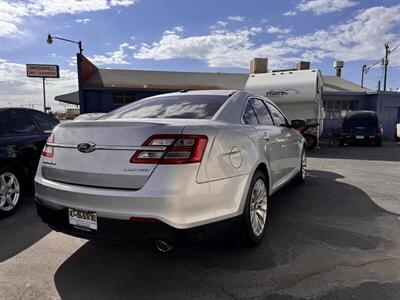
x=173 y=169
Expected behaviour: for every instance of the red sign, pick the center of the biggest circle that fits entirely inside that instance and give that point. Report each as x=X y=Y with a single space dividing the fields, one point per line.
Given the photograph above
x=43 y=71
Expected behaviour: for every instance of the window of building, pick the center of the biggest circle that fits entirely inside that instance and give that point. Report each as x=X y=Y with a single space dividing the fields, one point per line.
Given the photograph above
x=338 y=109
x=122 y=98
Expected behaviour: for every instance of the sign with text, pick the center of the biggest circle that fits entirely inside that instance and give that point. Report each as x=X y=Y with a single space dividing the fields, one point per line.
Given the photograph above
x=43 y=71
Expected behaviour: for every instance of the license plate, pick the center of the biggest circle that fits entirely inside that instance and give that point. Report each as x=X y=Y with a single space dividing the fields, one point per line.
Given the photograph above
x=359 y=137
x=85 y=220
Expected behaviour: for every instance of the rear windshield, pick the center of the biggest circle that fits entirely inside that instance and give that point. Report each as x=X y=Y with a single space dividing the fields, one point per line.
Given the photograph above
x=361 y=119
x=176 y=107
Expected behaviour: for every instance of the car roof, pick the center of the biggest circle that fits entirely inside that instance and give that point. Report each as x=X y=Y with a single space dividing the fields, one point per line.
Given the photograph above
x=361 y=112
x=19 y=108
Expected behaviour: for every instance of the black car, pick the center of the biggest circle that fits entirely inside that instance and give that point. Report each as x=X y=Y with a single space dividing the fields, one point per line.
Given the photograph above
x=361 y=126
x=23 y=133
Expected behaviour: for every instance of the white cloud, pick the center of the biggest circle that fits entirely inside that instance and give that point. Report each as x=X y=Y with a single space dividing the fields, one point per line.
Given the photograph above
x=179 y=28
x=16 y=89
x=12 y=13
x=236 y=18
x=220 y=25
x=222 y=48
x=122 y=2
x=83 y=21
x=361 y=38
x=290 y=13
x=320 y=7
x=118 y=57
x=275 y=29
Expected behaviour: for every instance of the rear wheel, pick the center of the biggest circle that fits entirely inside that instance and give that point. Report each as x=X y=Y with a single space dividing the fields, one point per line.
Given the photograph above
x=255 y=213
x=10 y=191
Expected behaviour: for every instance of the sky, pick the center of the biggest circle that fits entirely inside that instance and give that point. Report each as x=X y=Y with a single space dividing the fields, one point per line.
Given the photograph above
x=192 y=35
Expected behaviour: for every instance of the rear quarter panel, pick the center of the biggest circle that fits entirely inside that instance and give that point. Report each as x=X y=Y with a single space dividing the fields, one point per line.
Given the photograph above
x=233 y=152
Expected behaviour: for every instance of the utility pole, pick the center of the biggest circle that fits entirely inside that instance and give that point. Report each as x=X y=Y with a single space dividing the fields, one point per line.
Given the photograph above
x=364 y=68
x=44 y=96
x=386 y=63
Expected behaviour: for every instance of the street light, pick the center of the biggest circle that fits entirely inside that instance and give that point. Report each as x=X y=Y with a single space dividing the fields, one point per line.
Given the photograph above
x=51 y=38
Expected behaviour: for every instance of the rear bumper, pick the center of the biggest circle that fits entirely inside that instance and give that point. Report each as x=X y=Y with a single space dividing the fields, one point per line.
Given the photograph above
x=136 y=232
x=171 y=195
x=352 y=138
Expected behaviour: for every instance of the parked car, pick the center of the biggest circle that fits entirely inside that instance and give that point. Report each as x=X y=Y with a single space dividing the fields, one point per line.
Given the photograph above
x=361 y=126
x=172 y=169
x=23 y=134
x=397 y=132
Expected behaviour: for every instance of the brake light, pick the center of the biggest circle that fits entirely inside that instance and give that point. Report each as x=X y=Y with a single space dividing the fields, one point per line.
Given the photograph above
x=180 y=149
x=48 y=151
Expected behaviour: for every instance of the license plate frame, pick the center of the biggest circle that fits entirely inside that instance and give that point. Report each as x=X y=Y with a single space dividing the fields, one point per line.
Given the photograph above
x=359 y=137
x=83 y=220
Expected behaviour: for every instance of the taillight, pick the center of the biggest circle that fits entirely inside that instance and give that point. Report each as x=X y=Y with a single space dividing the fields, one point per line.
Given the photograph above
x=48 y=151
x=179 y=149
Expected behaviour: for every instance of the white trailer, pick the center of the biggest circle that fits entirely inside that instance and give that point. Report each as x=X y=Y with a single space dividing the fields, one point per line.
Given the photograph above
x=297 y=92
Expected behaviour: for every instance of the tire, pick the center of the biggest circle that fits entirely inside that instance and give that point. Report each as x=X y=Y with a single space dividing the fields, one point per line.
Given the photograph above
x=301 y=177
x=10 y=191
x=378 y=142
x=311 y=141
x=252 y=229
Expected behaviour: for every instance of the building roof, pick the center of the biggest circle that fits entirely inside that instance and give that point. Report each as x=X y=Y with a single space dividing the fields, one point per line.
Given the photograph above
x=140 y=79
x=71 y=98
x=338 y=84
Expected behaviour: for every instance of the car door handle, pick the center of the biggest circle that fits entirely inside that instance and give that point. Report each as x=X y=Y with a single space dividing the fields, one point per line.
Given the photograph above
x=265 y=136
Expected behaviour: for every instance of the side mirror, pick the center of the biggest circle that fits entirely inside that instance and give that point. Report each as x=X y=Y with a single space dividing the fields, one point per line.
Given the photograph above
x=298 y=123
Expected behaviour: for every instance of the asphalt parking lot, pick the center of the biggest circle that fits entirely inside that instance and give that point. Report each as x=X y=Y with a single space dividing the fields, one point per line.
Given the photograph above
x=336 y=237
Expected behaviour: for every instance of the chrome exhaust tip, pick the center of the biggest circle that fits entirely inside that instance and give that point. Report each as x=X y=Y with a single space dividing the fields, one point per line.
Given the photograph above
x=163 y=246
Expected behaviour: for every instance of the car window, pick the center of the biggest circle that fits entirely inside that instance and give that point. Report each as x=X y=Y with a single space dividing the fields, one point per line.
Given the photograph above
x=16 y=122
x=279 y=118
x=179 y=107
x=249 y=116
x=45 y=122
x=261 y=111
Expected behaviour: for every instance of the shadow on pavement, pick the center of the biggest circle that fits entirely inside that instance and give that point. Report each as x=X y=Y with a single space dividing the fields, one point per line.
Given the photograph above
x=389 y=151
x=323 y=212
x=22 y=229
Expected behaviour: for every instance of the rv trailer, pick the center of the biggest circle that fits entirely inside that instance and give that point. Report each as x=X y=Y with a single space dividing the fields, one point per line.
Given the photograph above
x=296 y=92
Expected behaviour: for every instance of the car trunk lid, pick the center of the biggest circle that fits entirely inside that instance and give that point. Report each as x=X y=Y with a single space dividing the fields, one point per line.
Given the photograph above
x=98 y=153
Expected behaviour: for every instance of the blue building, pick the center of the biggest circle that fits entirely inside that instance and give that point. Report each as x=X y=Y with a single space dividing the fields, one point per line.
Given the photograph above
x=102 y=90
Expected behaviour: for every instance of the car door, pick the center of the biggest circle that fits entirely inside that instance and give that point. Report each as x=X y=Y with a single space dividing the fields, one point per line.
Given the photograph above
x=271 y=139
x=292 y=162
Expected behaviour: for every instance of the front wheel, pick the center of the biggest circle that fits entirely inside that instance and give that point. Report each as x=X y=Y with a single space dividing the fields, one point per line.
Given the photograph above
x=301 y=177
x=255 y=213
x=10 y=191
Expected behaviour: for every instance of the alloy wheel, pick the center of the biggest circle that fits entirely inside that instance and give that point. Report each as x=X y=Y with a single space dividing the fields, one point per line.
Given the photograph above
x=9 y=191
x=258 y=207
x=303 y=165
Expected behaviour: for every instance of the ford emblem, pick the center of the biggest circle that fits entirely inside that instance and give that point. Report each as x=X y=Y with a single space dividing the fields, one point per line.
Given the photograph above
x=86 y=147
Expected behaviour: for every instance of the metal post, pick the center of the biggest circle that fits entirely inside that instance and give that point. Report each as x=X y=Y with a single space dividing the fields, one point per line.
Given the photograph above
x=386 y=63
x=44 y=96
x=364 y=67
